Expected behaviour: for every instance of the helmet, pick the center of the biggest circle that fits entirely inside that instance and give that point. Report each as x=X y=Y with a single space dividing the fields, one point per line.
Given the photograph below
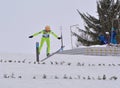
x=107 y=33
x=47 y=28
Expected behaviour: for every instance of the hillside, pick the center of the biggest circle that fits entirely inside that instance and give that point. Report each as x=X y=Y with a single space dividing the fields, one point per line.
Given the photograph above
x=59 y=71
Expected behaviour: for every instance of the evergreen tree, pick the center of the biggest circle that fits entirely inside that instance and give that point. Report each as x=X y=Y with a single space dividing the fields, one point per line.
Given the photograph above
x=108 y=14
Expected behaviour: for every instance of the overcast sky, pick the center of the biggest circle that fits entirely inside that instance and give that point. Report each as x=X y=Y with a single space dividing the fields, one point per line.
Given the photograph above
x=21 y=18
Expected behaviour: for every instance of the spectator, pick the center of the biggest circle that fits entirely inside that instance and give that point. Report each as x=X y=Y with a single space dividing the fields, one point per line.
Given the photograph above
x=113 y=36
x=107 y=37
x=102 y=39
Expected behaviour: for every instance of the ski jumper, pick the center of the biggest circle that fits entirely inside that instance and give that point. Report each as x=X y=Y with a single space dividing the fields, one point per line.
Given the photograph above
x=45 y=38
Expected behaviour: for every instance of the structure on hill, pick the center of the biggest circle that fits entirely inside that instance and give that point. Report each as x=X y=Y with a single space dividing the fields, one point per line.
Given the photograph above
x=96 y=51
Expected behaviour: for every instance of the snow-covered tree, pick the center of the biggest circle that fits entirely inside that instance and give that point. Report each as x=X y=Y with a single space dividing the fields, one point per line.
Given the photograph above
x=108 y=15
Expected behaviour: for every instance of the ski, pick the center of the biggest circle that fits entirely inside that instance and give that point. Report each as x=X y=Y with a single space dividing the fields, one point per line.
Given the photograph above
x=59 y=50
x=37 y=51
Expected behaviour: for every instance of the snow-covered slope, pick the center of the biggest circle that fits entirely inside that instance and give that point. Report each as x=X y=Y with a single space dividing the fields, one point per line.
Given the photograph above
x=59 y=71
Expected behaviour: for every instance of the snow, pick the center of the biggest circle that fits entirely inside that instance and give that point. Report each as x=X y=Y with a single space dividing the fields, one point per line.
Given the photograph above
x=59 y=71
x=92 y=46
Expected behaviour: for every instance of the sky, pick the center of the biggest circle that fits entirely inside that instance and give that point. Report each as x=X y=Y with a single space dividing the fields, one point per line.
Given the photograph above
x=22 y=18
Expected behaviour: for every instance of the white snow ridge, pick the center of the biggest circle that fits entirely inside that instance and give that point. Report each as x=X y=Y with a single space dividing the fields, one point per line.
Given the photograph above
x=59 y=71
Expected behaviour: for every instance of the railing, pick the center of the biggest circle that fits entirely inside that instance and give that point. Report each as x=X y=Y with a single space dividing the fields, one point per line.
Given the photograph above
x=96 y=51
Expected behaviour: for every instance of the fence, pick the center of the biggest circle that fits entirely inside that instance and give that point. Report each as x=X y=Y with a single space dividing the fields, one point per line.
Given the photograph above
x=96 y=51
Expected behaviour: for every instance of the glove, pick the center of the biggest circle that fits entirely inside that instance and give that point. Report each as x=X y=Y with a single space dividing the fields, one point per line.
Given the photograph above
x=59 y=37
x=31 y=36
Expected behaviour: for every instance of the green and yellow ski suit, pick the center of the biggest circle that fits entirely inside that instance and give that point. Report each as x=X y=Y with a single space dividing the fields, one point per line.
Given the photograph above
x=45 y=38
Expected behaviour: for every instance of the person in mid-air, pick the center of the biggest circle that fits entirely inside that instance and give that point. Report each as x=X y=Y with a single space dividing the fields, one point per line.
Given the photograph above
x=45 y=38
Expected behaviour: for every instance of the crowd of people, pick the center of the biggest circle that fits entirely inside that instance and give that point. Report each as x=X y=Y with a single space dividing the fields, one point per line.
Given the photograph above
x=108 y=38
